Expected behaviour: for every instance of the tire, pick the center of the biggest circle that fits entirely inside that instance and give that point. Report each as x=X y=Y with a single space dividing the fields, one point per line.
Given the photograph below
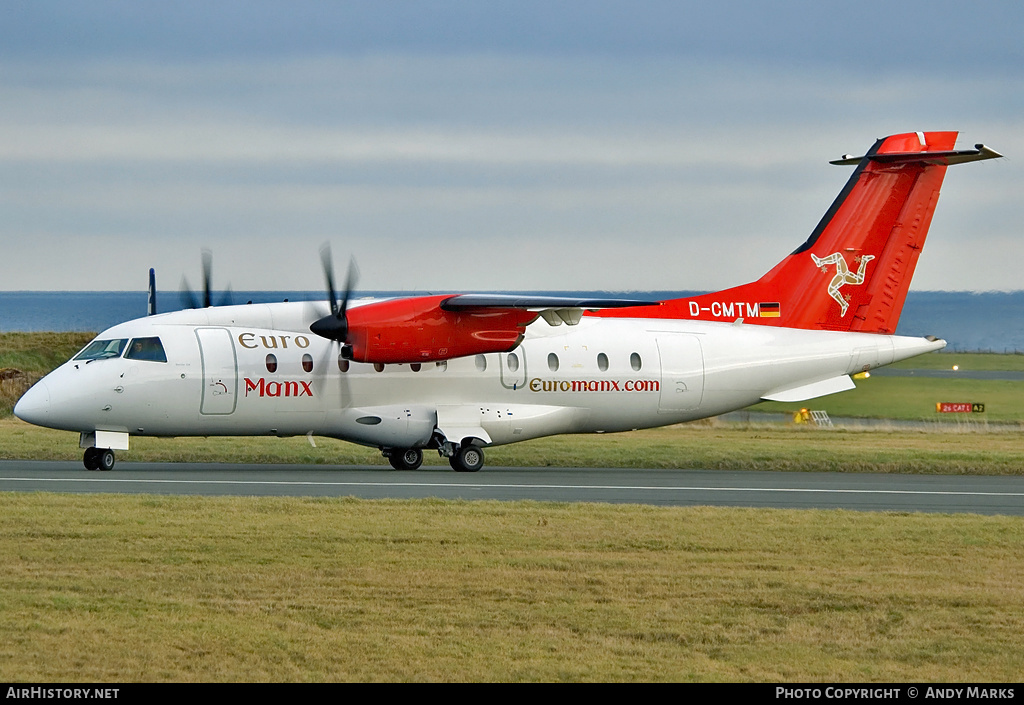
x=92 y=459
x=469 y=458
x=408 y=459
x=105 y=459
x=412 y=458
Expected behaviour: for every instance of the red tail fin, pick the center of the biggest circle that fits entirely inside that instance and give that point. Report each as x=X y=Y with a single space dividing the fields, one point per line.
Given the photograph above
x=854 y=271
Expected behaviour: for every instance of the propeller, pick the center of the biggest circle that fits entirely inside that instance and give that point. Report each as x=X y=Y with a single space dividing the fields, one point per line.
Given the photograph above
x=335 y=326
x=188 y=297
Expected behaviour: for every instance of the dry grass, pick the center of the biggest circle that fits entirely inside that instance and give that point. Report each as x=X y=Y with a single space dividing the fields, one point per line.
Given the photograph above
x=101 y=588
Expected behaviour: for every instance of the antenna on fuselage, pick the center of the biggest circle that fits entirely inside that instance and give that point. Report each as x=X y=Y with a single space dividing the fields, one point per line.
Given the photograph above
x=151 y=303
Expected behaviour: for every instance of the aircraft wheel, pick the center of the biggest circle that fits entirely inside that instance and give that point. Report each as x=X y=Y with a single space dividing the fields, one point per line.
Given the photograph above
x=92 y=459
x=408 y=459
x=105 y=459
x=411 y=458
x=469 y=458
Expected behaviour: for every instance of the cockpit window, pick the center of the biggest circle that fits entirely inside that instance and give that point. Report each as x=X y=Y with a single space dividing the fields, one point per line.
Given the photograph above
x=146 y=349
x=102 y=349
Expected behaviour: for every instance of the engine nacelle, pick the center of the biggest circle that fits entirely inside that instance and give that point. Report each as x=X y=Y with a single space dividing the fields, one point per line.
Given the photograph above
x=419 y=330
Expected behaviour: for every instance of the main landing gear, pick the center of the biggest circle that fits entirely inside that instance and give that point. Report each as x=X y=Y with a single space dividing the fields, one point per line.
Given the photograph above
x=408 y=459
x=464 y=458
x=467 y=458
x=99 y=459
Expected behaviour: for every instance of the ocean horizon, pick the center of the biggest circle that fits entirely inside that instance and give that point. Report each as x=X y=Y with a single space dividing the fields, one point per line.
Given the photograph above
x=968 y=321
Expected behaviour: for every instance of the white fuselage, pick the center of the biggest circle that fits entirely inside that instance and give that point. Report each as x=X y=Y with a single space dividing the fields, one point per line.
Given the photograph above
x=604 y=374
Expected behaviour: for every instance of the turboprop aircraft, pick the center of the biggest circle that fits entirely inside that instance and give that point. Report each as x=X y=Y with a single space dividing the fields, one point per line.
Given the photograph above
x=459 y=373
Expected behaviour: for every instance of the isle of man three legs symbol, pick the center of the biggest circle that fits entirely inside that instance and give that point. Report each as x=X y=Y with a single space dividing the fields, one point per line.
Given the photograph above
x=843 y=275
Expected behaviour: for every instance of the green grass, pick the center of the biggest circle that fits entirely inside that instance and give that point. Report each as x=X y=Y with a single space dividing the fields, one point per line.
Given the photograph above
x=38 y=353
x=26 y=357
x=717 y=446
x=145 y=588
x=914 y=398
x=965 y=361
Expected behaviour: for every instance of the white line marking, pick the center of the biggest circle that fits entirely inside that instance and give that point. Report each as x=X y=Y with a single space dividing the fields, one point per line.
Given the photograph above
x=456 y=485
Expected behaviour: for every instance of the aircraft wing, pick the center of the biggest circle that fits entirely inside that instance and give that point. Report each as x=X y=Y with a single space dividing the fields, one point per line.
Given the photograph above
x=463 y=302
x=434 y=328
x=556 y=310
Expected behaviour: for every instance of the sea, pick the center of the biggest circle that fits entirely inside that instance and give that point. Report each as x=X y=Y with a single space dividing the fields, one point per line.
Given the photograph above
x=969 y=322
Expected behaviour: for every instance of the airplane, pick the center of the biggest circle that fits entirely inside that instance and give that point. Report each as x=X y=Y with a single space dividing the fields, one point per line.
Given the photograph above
x=459 y=373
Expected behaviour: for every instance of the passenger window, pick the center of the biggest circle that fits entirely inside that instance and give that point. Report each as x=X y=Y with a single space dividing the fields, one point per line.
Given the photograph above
x=481 y=363
x=602 y=362
x=342 y=363
x=553 y=362
x=146 y=349
x=271 y=363
x=635 y=362
x=513 y=362
x=102 y=349
x=307 y=362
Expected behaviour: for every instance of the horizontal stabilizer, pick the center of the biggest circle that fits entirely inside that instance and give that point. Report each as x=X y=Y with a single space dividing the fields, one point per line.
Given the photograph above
x=979 y=153
x=841 y=383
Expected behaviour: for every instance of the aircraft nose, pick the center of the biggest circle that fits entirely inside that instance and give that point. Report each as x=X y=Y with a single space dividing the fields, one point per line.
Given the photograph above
x=34 y=405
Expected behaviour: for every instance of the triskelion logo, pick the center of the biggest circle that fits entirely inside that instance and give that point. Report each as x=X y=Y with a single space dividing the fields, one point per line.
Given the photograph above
x=843 y=275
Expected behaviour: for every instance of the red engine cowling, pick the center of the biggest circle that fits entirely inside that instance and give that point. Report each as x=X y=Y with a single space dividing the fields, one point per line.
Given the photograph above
x=419 y=330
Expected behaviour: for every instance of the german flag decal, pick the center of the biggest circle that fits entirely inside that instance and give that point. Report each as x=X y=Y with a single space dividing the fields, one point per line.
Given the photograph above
x=768 y=310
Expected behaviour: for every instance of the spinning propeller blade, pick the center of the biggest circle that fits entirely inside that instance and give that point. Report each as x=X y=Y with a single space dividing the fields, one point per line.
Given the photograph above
x=188 y=298
x=335 y=326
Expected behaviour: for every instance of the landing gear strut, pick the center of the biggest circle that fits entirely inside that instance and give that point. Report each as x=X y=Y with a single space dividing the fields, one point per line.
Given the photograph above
x=99 y=459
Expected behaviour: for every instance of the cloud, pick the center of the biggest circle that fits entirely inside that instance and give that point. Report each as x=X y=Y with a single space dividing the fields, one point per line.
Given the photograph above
x=468 y=171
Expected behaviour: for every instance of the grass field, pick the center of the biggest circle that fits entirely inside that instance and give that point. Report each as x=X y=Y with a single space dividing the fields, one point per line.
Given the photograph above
x=914 y=398
x=965 y=361
x=720 y=446
x=142 y=588
x=25 y=357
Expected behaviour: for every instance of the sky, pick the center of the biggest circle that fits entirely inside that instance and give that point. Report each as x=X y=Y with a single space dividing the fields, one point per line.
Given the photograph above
x=474 y=146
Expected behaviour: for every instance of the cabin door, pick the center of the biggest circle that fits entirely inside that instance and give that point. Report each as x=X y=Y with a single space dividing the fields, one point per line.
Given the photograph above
x=682 y=372
x=220 y=371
